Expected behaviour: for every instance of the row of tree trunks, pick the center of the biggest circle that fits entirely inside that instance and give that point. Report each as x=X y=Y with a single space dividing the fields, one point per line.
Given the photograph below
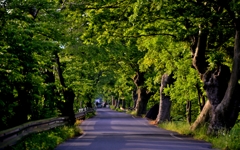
x=221 y=86
x=116 y=103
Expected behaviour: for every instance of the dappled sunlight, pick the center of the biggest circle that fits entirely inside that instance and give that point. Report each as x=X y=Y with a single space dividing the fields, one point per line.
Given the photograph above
x=108 y=133
x=127 y=128
x=138 y=149
x=127 y=123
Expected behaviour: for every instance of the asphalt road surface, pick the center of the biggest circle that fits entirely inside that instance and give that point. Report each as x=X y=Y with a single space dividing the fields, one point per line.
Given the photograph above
x=110 y=130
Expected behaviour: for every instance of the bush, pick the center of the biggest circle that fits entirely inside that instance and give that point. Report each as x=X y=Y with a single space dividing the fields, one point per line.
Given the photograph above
x=90 y=115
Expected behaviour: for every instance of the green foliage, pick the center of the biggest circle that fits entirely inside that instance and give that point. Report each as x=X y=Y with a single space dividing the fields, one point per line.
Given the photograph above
x=184 y=88
x=47 y=139
x=166 y=55
x=31 y=32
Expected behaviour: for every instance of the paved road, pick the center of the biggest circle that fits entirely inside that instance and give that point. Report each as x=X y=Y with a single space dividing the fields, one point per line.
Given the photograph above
x=110 y=130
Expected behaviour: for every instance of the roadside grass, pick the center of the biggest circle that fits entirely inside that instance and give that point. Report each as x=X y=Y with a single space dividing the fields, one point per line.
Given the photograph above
x=224 y=140
x=128 y=111
x=117 y=109
x=132 y=112
x=112 y=107
x=47 y=139
x=178 y=126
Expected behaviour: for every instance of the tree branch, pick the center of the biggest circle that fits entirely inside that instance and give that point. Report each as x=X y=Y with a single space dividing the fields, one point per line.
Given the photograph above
x=199 y=60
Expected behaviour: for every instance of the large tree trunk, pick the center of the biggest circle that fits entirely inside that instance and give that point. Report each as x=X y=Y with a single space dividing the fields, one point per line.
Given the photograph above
x=221 y=88
x=165 y=103
x=215 y=81
x=226 y=112
x=143 y=97
x=66 y=108
x=142 y=94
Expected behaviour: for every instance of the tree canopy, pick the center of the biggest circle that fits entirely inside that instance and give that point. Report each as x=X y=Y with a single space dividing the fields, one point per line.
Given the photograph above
x=58 y=56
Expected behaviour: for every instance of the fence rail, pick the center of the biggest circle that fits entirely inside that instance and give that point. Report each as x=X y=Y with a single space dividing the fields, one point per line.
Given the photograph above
x=10 y=136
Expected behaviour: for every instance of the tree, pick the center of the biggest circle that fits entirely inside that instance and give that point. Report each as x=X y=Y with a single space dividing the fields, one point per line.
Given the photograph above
x=208 y=55
x=126 y=43
x=30 y=33
x=182 y=20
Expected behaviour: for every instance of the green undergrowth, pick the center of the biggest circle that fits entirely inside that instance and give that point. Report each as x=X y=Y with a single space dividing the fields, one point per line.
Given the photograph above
x=131 y=112
x=224 y=140
x=90 y=115
x=117 y=109
x=48 y=140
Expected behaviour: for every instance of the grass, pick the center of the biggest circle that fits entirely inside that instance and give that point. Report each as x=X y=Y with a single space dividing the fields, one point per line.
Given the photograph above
x=131 y=112
x=134 y=113
x=117 y=109
x=180 y=127
x=48 y=140
x=224 y=140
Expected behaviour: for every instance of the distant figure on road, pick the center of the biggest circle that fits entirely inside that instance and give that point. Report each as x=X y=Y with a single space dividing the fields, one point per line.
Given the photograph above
x=96 y=104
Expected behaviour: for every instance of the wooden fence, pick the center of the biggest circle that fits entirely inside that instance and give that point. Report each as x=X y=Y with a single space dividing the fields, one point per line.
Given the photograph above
x=10 y=137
